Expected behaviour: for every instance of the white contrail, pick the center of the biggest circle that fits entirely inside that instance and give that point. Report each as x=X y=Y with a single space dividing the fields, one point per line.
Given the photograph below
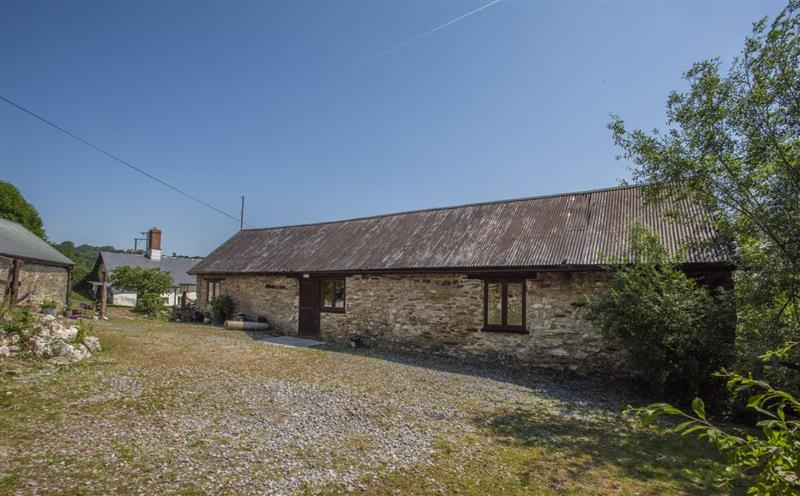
x=419 y=37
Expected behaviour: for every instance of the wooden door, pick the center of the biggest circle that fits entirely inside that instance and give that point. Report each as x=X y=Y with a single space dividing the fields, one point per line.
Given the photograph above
x=308 y=320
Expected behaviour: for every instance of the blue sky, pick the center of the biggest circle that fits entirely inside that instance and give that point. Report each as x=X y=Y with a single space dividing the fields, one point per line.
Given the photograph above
x=272 y=100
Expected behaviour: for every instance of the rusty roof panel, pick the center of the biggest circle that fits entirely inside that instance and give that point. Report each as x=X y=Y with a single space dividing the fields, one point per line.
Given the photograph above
x=574 y=229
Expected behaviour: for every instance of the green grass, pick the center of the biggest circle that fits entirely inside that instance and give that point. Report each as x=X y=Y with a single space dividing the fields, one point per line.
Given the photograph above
x=529 y=446
x=78 y=297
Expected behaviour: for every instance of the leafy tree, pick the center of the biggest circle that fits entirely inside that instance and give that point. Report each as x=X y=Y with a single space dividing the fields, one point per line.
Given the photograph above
x=148 y=284
x=733 y=142
x=13 y=206
x=142 y=280
x=676 y=331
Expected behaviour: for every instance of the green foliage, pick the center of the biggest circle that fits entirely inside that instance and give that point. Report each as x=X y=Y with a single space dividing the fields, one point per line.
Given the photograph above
x=223 y=306
x=17 y=320
x=677 y=332
x=733 y=142
x=769 y=462
x=48 y=304
x=85 y=258
x=142 y=280
x=84 y=329
x=13 y=206
x=150 y=304
x=148 y=284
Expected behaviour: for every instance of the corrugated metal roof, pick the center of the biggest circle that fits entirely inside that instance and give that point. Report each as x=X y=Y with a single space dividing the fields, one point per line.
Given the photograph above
x=573 y=229
x=177 y=267
x=16 y=241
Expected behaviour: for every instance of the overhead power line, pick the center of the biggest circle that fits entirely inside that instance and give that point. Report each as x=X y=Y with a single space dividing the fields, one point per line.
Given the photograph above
x=118 y=159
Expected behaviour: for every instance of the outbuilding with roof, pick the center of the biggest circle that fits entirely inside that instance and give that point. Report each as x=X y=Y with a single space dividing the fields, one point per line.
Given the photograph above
x=503 y=281
x=31 y=270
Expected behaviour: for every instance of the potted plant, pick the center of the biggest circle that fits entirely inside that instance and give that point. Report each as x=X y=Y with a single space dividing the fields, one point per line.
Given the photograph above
x=222 y=309
x=49 y=307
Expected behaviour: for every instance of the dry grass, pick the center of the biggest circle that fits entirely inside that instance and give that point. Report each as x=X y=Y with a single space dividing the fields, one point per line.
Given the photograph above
x=185 y=409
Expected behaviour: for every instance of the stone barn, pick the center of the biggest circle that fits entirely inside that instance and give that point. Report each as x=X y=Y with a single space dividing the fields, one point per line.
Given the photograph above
x=501 y=281
x=31 y=270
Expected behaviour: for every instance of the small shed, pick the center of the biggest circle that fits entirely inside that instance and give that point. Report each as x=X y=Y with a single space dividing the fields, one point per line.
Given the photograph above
x=31 y=270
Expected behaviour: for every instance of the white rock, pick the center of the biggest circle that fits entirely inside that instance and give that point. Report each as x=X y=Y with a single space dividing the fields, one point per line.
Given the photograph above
x=92 y=343
x=9 y=338
x=68 y=353
x=43 y=346
x=65 y=333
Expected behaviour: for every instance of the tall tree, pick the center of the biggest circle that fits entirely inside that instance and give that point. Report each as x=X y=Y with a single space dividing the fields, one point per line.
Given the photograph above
x=13 y=206
x=733 y=141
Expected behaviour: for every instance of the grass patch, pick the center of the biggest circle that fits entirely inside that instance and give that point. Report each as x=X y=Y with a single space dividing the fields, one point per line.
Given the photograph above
x=165 y=400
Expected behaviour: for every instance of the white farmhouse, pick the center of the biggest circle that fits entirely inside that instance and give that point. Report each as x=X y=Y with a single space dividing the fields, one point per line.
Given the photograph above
x=185 y=285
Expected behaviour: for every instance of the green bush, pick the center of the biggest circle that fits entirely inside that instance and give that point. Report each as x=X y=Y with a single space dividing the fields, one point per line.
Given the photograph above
x=677 y=332
x=17 y=320
x=84 y=329
x=48 y=304
x=150 y=304
x=223 y=307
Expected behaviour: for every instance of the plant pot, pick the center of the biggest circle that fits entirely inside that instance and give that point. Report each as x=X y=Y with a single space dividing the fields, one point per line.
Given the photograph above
x=218 y=320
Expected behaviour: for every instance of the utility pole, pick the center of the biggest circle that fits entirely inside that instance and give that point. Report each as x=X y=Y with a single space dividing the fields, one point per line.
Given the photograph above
x=241 y=216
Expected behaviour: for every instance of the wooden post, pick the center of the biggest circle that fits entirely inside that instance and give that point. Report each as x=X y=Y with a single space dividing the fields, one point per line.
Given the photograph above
x=15 y=276
x=103 y=291
x=69 y=287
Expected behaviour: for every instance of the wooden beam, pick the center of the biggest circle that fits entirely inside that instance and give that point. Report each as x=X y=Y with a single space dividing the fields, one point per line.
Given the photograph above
x=103 y=291
x=15 y=281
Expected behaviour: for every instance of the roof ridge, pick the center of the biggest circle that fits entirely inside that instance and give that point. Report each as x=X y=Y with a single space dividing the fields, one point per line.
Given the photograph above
x=451 y=207
x=143 y=255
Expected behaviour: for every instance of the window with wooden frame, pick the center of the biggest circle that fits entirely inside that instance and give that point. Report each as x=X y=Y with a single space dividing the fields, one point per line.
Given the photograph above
x=212 y=290
x=504 y=305
x=333 y=295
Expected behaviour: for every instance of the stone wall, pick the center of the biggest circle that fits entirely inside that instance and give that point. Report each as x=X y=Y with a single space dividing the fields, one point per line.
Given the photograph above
x=44 y=282
x=444 y=314
x=273 y=297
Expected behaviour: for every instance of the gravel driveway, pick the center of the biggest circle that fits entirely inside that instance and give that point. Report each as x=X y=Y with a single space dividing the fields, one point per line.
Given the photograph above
x=183 y=409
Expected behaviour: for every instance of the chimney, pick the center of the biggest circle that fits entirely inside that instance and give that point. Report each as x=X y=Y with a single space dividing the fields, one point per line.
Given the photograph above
x=154 y=244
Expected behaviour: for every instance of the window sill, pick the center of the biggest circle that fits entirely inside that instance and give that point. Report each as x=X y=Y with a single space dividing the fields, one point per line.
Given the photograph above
x=511 y=330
